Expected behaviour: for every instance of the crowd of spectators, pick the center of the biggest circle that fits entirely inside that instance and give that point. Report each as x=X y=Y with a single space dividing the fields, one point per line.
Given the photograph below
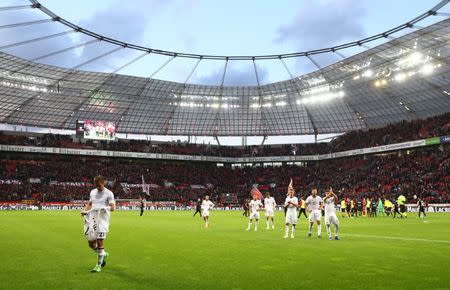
x=422 y=172
x=395 y=133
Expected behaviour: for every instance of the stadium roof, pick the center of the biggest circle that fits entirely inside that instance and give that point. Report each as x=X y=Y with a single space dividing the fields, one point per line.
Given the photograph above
x=403 y=79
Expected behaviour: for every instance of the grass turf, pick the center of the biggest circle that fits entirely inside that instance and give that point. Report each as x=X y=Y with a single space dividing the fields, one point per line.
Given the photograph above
x=167 y=249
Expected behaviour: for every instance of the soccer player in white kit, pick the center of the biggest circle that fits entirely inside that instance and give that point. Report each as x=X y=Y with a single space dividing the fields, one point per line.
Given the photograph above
x=330 y=214
x=314 y=203
x=269 y=207
x=255 y=205
x=291 y=204
x=206 y=206
x=96 y=220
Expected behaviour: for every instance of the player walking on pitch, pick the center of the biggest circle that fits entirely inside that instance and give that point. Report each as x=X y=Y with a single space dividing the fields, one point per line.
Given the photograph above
x=142 y=205
x=314 y=203
x=96 y=220
x=291 y=205
x=255 y=205
x=198 y=208
x=269 y=207
x=206 y=206
x=330 y=214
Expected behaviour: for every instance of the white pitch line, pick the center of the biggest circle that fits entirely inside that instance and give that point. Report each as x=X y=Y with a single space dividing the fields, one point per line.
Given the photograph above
x=397 y=238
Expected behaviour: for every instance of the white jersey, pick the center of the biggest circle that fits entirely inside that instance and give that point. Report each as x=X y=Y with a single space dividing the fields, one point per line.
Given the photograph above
x=269 y=204
x=329 y=205
x=292 y=207
x=96 y=221
x=313 y=203
x=101 y=199
x=255 y=205
x=207 y=205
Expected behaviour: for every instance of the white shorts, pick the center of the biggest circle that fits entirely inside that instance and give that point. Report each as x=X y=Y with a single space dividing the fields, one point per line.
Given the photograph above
x=254 y=215
x=315 y=216
x=291 y=218
x=269 y=213
x=205 y=213
x=331 y=218
x=96 y=225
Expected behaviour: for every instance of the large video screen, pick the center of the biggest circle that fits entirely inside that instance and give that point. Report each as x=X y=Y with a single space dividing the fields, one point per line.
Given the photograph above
x=99 y=130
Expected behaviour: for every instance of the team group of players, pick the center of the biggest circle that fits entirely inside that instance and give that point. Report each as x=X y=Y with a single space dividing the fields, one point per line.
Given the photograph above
x=101 y=202
x=314 y=204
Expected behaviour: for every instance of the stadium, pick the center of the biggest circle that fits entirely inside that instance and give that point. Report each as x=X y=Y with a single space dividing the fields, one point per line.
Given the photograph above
x=125 y=157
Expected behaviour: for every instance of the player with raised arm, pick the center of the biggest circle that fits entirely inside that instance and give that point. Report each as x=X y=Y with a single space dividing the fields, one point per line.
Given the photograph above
x=96 y=220
x=291 y=205
x=269 y=207
x=255 y=205
x=314 y=203
x=206 y=206
x=330 y=214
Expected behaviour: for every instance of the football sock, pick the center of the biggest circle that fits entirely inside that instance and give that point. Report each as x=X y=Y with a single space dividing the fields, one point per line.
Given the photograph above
x=319 y=230
x=101 y=255
x=293 y=230
x=286 y=230
x=310 y=228
x=336 y=230
x=256 y=225
x=328 y=230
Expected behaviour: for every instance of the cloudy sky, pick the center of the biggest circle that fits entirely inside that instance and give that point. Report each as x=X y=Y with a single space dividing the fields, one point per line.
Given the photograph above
x=231 y=27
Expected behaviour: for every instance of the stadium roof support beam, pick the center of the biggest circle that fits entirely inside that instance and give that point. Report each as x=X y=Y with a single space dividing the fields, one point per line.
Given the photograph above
x=222 y=81
x=256 y=73
x=162 y=66
x=99 y=87
x=193 y=70
x=83 y=44
x=286 y=68
x=56 y=82
x=53 y=54
x=96 y=58
x=224 y=73
x=18 y=7
x=343 y=46
x=340 y=54
x=355 y=112
x=294 y=85
x=263 y=116
x=35 y=39
x=28 y=23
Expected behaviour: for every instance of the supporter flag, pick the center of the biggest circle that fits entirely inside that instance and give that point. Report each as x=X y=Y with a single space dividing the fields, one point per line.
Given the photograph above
x=145 y=186
x=255 y=191
x=291 y=186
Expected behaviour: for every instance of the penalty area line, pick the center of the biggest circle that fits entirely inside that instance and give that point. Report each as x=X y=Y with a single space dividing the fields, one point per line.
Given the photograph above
x=397 y=238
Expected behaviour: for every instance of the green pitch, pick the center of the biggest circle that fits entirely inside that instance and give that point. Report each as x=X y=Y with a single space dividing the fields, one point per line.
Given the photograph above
x=173 y=250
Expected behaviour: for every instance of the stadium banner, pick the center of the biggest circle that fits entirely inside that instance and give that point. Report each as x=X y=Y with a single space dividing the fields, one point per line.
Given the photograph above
x=121 y=205
x=160 y=156
x=445 y=139
x=432 y=207
x=164 y=205
x=10 y=181
x=433 y=141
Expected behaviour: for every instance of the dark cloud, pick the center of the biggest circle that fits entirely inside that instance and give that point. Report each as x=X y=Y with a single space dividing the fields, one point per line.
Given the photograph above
x=126 y=23
x=320 y=24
